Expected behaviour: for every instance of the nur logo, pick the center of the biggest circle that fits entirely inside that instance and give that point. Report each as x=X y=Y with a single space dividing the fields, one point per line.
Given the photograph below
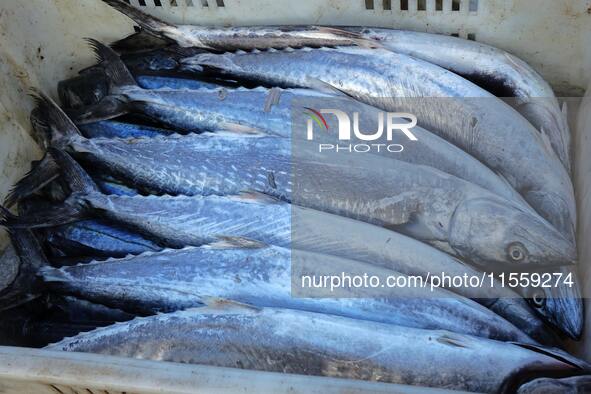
x=388 y=124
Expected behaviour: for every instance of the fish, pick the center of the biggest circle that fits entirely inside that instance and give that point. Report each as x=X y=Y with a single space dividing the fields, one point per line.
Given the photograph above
x=184 y=179
x=421 y=202
x=496 y=70
x=194 y=221
x=289 y=341
x=97 y=238
x=272 y=111
x=178 y=221
x=251 y=272
x=573 y=385
x=233 y=38
x=443 y=102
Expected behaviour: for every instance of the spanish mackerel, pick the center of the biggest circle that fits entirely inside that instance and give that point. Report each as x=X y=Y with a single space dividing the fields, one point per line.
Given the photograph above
x=273 y=112
x=231 y=38
x=494 y=69
x=262 y=275
x=444 y=103
x=417 y=200
x=183 y=220
x=290 y=341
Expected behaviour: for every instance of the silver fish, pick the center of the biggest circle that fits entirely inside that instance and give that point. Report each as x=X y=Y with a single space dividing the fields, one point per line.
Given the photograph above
x=290 y=341
x=183 y=220
x=494 y=69
x=232 y=38
x=444 y=103
x=272 y=112
x=262 y=275
x=416 y=200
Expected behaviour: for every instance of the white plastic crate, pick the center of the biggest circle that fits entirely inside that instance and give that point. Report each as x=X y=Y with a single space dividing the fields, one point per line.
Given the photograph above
x=41 y=43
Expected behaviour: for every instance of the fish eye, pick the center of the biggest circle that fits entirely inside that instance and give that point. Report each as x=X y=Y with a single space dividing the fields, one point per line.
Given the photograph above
x=517 y=252
x=538 y=299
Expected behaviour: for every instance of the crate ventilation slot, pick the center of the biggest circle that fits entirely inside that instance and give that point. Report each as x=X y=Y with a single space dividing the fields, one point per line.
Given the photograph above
x=423 y=5
x=176 y=3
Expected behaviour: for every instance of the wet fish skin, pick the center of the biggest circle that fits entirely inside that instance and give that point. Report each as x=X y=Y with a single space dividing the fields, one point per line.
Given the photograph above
x=233 y=38
x=165 y=82
x=261 y=275
x=272 y=112
x=492 y=68
x=313 y=344
x=115 y=129
x=385 y=80
x=97 y=238
x=226 y=165
x=183 y=220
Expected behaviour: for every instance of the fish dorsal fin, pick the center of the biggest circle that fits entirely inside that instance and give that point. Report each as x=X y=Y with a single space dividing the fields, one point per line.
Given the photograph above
x=254 y=196
x=228 y=242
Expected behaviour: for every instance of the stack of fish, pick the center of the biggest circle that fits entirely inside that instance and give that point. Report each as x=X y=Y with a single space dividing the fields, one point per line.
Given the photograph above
x=166 y=211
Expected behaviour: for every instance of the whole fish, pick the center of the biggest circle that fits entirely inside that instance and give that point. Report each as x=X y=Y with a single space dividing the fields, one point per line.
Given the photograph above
x=261 y=275
x=183 y=220
x=416 y=200
x=444 y=103
x=132 y=161
x=232 y=38
x=299 y=342
x=574 y=385
x=494 y=69
x=272 y=112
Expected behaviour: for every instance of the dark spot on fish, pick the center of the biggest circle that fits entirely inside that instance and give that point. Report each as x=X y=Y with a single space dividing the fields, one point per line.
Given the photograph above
x=389 y=239
x=222 y=94
x=473 y=122
x=237 y=279
x=440 y=224
x=271 y=180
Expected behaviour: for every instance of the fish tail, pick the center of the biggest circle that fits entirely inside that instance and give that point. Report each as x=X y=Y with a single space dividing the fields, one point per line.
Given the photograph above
x=41 y=174
x=50 y=118
x=140 y=41
x=25 y=286
x=119 y=76
x=152 y=24
x=73 y=174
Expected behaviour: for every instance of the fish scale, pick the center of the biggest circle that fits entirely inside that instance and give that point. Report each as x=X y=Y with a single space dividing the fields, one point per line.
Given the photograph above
x=261 y=275
x=281 y=340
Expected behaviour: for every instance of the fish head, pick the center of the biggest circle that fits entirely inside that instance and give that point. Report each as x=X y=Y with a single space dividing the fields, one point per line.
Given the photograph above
x=560 y=305
x=489 y=231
